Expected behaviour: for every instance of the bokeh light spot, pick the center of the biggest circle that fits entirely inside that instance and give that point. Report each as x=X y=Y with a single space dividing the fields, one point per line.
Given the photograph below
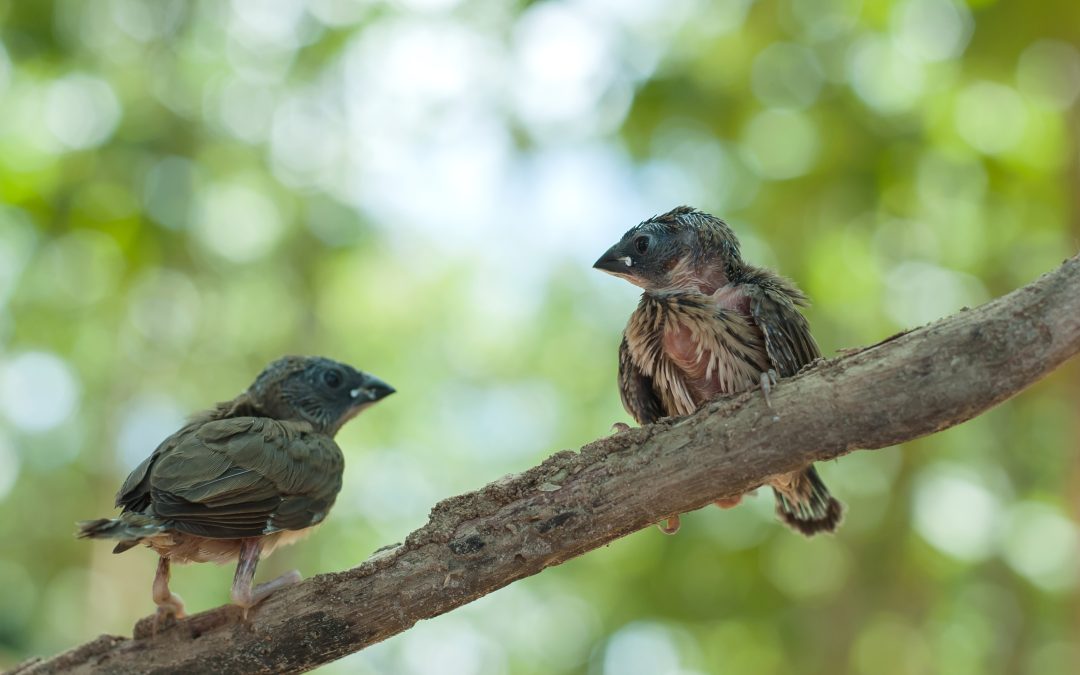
x=428 y=5
x=823 y=20
x=865 y=474
x=168 y=191
x=563 y=64
x=517 y=419
x=304 y=141
x=393 y=488
x=641 y=648
x=932 y=30
x=81 y=111
x=454 y=646
x=245 y=109
x=1042 y=544
x=146 y=422
x=339 y=13
x=955 y=512
x=744 y=527
x=238 y=222
x=262 y=23
x=143 y=21
x=1049 y=71
x=884 y=77
x=990 y=117
x=38 y=391
x=919 y=292
x=780 y=144
x=546 y=615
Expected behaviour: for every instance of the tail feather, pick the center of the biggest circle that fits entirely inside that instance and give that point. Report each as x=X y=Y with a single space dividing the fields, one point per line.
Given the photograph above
x=130 y=529
x=805 y=505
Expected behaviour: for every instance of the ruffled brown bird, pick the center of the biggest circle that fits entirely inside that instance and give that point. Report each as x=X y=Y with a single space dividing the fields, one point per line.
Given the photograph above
x=709 y=324
x=244 y=477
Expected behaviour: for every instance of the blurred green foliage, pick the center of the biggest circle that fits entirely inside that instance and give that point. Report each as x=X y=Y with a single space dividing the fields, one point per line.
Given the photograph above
x=191 y=189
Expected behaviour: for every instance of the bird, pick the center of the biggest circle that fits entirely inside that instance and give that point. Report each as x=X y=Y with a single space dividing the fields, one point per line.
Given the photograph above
x=242 y=478
x=710 y=324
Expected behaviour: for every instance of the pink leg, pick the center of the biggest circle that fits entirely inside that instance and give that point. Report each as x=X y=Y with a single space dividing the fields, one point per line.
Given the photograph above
x=168 y=603
x=244 y=593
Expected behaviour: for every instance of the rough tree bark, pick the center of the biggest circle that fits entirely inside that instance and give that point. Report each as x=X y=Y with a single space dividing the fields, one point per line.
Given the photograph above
x=910 y=385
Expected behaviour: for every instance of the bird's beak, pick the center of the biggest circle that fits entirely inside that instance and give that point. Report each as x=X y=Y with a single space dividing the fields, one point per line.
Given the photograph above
x=371 y=390
x=614 y=261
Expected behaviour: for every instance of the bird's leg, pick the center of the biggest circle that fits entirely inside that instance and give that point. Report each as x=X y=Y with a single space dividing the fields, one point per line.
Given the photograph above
x=768 y=380
x=168 y=603
x=670 y=526
x=244 y=592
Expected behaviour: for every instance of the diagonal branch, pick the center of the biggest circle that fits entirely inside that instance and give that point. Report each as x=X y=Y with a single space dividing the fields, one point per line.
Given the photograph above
x=910 y=385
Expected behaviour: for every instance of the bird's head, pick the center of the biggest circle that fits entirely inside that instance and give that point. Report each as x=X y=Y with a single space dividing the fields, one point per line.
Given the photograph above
x=683 y=248
x=325 y=393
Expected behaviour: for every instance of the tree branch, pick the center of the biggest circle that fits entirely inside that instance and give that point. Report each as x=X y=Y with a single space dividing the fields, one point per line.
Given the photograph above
x=910 y=385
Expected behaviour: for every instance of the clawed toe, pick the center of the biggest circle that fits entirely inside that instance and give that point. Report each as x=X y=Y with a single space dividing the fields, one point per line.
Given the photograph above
x=670 y=526
x=768 y=381
x=168 y=613
x=619 y=427
x=169 y=604
x=248 y=598
x=728 y=502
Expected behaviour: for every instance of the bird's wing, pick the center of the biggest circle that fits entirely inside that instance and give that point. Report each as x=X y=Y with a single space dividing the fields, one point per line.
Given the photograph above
x=246 y=476
x=134 y=494
x=637 y=390
x=774 y=308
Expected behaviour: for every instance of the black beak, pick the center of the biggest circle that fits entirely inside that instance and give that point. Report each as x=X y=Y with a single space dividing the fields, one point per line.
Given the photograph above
x=614 y=261
x=370 y=390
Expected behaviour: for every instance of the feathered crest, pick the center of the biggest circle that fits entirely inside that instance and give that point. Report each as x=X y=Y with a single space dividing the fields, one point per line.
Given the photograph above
x=714 y=236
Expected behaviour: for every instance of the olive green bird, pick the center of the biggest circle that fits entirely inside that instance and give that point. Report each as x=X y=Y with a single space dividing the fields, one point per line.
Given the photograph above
x=710 y=324
x=244 y=477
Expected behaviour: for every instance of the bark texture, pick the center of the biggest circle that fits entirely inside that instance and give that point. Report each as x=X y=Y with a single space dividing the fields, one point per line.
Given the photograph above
x=912 y=384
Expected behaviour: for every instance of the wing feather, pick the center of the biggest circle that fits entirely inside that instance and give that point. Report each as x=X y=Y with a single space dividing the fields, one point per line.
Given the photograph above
x=243 y=477
x=774 y=307
x=637 y=390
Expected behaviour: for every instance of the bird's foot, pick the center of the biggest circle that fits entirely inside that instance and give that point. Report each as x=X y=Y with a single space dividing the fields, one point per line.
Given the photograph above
x=246 y=598
x=169 y=611
x=728 y=502
x=768 y=381
x=619 y=427
x=669 y=526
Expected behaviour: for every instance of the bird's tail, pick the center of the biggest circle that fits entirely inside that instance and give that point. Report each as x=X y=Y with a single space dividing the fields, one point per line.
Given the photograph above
x=129 y=528
x=804 y=503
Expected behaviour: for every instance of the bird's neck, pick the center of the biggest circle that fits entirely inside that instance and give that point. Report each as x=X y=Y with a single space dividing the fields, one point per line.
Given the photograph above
x=703 y=277
x=241 y=406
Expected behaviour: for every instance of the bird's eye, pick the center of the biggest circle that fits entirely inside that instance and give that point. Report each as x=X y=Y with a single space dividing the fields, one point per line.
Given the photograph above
x=332 y=379
x=642 y=244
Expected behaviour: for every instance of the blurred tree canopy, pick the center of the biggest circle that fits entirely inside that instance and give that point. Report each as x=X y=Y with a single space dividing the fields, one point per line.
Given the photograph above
x=191 y=189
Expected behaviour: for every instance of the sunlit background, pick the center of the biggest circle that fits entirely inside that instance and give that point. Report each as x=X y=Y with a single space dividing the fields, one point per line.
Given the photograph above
x=418 y=187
